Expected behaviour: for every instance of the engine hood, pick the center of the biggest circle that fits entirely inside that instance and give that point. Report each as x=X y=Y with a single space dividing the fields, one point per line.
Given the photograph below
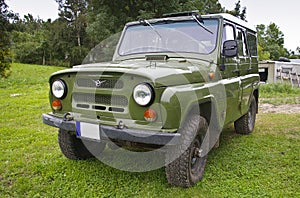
x=166 y=73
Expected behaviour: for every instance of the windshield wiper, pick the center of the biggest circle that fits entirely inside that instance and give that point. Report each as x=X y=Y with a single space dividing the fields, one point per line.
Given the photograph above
x=197 y=20
x=147 y=23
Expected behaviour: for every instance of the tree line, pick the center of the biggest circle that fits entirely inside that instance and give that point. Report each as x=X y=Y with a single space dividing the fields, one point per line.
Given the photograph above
x=82 y=24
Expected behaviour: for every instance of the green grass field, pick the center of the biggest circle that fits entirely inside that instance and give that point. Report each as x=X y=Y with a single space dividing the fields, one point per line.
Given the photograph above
x=279 y=94
x=263 y=164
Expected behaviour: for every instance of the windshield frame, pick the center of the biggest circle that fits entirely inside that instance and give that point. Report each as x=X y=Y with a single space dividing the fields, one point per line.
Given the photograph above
x=170 y=21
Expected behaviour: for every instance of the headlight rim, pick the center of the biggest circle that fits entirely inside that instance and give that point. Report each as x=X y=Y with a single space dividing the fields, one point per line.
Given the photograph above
x=64 y=88
x=149 y=86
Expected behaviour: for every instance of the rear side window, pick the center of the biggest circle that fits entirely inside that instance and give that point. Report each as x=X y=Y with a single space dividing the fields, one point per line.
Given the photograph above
x=252 y=44
x=242 y=44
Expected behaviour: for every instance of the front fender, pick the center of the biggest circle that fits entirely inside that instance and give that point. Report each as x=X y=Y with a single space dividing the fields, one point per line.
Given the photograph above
x=180 y=101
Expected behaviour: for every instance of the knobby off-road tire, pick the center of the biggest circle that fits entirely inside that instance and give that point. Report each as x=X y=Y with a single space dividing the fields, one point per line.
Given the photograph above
x=188 y=168
x=245 y=124
x=77 y=149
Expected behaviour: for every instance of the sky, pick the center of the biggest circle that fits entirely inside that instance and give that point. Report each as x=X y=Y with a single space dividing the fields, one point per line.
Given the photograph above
x=282 y=13
x=258 y=12
x=43 y=9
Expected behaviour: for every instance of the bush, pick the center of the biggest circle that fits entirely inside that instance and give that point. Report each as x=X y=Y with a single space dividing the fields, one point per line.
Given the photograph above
x=5 y=61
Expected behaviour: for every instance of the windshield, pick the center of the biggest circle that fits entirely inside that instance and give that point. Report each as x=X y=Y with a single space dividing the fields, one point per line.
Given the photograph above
x=181 y=36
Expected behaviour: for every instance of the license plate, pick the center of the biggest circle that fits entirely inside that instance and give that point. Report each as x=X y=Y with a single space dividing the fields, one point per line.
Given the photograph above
x=87 y=130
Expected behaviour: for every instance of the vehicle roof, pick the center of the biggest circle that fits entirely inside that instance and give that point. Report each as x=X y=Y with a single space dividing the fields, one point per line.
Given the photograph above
x=224 y=16
x=232 y=19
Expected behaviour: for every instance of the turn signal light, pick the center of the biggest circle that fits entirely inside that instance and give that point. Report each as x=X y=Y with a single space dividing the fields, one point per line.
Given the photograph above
x=150 y=115
x=56 y=105
x=211 y=75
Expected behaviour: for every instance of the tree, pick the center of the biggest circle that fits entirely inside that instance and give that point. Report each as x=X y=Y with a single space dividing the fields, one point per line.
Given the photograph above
x=271 y=42
x=30 y=48
x=29 y=41
x=238 y=12
x=205 y=7
x=5 y=53
x=74 y=13
x=107 y=17
x=61 y=41
x=82 y=24
x=298 y=50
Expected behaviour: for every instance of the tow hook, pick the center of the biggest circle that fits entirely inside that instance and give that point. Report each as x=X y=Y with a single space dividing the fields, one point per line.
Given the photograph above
x=121 y=125
x=68 y=117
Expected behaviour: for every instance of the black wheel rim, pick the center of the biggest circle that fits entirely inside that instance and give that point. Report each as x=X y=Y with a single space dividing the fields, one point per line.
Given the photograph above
x=196 y=162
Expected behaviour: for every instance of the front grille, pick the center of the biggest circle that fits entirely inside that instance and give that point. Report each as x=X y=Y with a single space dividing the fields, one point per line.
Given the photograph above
x=104 y=83
x=100 y=99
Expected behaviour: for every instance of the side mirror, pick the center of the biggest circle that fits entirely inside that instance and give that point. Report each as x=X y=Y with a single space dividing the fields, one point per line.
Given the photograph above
x=230 y=48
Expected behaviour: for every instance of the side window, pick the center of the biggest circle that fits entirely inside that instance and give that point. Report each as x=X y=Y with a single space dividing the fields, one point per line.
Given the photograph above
x=242 y=43
x=228 y=33
x=252 y=43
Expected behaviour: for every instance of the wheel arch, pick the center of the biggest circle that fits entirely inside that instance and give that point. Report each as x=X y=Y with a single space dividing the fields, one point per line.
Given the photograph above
x=202 y=108
x=206 y=108
x=256 y=96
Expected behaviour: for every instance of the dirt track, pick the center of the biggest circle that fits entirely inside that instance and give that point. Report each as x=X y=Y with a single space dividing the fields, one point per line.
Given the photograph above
x=287 y=108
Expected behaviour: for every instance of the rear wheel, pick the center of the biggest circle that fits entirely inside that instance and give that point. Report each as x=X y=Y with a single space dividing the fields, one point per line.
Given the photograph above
x=189 y=167
x=245 y=124
x=77 y=149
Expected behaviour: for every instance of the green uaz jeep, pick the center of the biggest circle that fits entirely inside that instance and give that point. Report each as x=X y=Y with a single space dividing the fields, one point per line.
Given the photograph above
x=172 y=84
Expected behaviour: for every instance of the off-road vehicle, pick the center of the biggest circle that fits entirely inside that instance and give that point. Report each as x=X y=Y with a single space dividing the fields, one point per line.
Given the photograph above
x=172 y=84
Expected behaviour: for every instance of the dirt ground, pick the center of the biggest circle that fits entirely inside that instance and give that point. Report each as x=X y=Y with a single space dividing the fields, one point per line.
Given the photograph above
x=287 y=108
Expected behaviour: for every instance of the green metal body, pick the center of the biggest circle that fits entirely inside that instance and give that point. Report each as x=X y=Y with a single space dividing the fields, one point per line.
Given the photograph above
x=181 y=83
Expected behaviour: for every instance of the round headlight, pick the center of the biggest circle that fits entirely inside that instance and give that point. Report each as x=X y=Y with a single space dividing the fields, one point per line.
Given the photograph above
x=59 y=89
x=143 y=94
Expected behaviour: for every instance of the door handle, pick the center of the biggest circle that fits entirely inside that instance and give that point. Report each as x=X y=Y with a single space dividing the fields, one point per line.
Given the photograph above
x=237 y=71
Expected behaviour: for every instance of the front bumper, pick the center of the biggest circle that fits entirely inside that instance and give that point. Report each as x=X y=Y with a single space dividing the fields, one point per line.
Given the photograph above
x=113 y=133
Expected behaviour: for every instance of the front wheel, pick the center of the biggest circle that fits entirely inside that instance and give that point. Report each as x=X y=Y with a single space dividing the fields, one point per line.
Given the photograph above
x=77 y=149
x=245 y=124
x=188 y=167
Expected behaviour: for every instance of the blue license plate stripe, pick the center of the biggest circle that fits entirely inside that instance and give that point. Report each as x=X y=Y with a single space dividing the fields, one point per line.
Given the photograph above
x=87 y=130
x=78 y=131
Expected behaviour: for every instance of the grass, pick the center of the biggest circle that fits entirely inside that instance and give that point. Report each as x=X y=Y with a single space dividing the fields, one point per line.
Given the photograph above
x=279 y=94
x=263 y=164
